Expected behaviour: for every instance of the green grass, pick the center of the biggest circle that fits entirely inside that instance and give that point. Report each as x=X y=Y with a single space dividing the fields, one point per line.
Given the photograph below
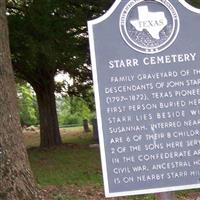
x=74 y=169
x=75 y=165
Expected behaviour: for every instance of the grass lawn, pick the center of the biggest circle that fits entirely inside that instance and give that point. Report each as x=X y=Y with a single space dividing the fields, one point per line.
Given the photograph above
x=73 y=171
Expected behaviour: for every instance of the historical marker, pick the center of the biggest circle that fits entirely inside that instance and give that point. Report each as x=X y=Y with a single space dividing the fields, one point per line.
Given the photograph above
x=146 y=68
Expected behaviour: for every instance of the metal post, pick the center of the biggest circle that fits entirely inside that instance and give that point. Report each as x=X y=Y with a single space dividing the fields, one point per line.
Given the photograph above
x=165 y=196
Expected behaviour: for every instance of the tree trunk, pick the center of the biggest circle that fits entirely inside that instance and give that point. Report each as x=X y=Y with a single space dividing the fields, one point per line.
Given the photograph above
x=49 y=128
x=16 y=179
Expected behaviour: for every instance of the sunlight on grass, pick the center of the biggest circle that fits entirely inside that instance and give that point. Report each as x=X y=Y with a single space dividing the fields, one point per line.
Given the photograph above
x=69 y=135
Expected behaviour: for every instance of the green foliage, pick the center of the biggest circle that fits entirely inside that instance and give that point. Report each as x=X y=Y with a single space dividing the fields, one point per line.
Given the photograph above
x=27 y=104
x=195 y=3
x=71 y=120
x=72 y=110
x=51 y=35
x=48 y=36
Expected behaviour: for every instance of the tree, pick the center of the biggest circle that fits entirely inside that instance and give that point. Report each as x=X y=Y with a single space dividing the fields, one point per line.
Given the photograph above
x=27 y=104
x=17 y=181
x=48 y=36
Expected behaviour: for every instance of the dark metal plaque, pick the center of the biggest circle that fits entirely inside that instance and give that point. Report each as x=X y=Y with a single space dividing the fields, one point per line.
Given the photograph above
x=146 y=69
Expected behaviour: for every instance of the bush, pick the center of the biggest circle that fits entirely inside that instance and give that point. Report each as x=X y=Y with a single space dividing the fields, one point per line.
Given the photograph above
x=72 y=111
x=72 y=119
